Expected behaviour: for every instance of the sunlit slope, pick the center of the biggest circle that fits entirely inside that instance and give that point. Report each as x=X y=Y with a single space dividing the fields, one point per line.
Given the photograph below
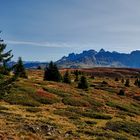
x=37 y=109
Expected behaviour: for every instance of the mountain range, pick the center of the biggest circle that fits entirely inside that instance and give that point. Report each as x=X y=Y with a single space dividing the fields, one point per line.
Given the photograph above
x=92 y=58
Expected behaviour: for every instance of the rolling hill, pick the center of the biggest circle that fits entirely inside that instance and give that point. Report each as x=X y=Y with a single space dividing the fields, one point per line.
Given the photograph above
x=45 y=110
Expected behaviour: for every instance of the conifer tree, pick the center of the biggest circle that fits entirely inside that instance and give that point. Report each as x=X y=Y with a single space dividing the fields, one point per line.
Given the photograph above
x=76 y=75
x=122 y=80
x=52 y=73
x=127 y=83
x=4 y=58
x=83 y=84
x=66 y=78
x=5 y=83
x=19 y=69
x=137 y=82
x=116 y=79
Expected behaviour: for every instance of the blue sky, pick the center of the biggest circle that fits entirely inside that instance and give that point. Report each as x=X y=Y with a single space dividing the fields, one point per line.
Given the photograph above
x=44 y=30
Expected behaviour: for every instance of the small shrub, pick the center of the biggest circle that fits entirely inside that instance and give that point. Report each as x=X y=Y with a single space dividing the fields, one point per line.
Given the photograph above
x=122 y=80
x=116 y=79
x=127 y=83
x=39 y=68
x=92 y=77
x=121 y=92
x=104 y=83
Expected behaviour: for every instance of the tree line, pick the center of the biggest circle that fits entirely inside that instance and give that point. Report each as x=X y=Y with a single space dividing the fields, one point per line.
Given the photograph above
x=52 y=74
x=9 y=74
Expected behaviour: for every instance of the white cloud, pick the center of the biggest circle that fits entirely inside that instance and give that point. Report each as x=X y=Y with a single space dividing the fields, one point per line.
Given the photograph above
x=40 y=44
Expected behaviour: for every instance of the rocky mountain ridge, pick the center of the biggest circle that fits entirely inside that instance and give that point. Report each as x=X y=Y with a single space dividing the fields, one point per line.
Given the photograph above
x=92 y=58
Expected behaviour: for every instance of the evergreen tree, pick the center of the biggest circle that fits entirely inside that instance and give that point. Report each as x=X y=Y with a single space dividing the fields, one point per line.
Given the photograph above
x=121 y=92
x=66 y=78
x=127 y=83
x=5 y=83
x=19 y=69
x=122 y=80
x=4 y=58
x=83 y=84
x=137 y=82
x=76 y=75
x=39 y=68
x=116 y=79
x=52 y=73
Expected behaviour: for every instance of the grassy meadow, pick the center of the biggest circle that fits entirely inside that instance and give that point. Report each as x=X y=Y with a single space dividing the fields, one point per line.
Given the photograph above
x=38 y=110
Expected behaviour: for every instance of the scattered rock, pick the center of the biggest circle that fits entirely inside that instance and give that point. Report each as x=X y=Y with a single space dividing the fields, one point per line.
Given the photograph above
x=45 y=129
x=68 y=133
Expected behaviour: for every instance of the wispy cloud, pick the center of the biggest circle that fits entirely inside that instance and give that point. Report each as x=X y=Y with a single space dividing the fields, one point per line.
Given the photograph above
x=52 y=44
x=40 y=44
x=120 y=47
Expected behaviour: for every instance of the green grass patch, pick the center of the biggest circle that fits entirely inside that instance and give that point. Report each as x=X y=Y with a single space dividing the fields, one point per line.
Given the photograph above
x=74 y=101
x=89 y=122
x=57 y=92
x=89 y=113
x=33 y=109
x=94 y=103
x=132 y=128
x=66 y=113
x=103 y=135
x=21 y=96
x=96 y=115
x=45 y=100
x=3 y=108
x=123 y=107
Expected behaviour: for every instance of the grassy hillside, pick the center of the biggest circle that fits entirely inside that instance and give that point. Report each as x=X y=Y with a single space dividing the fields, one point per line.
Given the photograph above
x=38 y=110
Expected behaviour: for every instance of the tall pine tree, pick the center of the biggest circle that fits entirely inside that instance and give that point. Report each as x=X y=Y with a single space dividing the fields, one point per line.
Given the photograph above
x=52 y=73
x=19 y=69
x=5 y=83
x=5 y=57
x=66 y=77
x=83 y=84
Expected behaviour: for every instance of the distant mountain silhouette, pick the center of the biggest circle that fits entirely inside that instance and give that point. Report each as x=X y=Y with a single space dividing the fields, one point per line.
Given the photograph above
x=30 y=64
x=92 y=58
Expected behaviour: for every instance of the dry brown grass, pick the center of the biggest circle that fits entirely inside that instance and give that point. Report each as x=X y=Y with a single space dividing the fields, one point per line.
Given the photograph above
x=67 y=113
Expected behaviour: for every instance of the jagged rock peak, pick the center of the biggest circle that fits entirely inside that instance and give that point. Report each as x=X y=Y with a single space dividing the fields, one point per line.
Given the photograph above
x=102 y=51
